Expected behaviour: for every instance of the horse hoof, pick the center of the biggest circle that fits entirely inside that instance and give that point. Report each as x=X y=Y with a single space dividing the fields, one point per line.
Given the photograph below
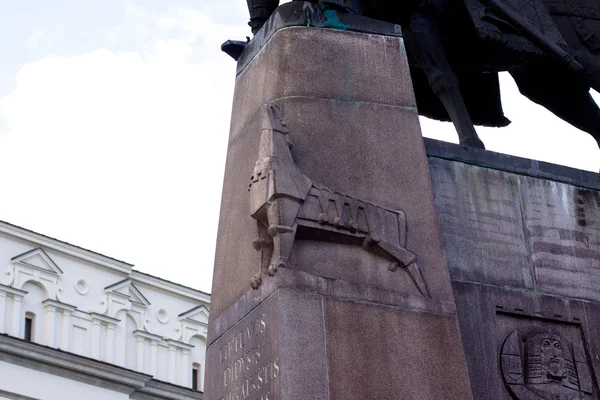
x=272 y=270
x=255 y=282
x=473 y=142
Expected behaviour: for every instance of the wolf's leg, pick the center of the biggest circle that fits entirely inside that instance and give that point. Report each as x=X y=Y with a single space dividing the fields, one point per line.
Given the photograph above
x=264 y=243
x=282 y=227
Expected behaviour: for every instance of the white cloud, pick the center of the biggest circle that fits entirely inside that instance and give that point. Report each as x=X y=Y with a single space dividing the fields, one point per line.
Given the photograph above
x=123 y=152
x=35 y=39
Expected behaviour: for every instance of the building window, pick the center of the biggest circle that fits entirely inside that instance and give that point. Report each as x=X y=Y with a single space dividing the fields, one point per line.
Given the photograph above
x=196 y=376
x=29 y=327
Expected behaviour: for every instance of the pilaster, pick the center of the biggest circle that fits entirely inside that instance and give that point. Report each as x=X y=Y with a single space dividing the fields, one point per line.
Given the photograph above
x=97 y=321
x=146 y=361
x=153 y=357
x=95 y=343
x=171 y=364
x=185 y=368
x=2 y=311
x=109 y=350
x=178 y=371
x=49 y=323
x=10 y=314
x=65 y=330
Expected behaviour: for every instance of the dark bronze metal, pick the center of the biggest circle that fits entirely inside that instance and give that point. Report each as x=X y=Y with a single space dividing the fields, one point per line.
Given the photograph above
x=457 y=47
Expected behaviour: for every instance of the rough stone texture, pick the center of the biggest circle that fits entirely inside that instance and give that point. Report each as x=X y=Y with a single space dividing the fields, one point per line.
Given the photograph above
x=386 y=353
x=277 y=350
x=488 y=314
x=522 y=240
x=505 y=229
x=358 y=135
x=351 y=132
x=320 y=63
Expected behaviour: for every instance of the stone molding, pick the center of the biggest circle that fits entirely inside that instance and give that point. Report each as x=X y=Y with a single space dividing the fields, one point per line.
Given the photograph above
x=147 y=335
x=57 y=305
x=12 y=291
x=508 y=163
x=64 y=247
x=90 y=371
x=104 y=318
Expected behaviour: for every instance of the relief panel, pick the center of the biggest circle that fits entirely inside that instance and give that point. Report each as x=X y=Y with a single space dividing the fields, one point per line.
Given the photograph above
x=286 y=203
x=537 y=362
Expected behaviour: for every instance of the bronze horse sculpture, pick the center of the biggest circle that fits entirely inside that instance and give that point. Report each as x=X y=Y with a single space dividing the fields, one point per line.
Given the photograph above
x=457 y=47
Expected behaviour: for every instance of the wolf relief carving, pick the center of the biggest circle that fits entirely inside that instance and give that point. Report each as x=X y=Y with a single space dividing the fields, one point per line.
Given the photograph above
x=285 y=201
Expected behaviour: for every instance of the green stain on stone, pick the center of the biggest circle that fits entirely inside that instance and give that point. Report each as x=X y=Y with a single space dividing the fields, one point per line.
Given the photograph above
x=332 y=20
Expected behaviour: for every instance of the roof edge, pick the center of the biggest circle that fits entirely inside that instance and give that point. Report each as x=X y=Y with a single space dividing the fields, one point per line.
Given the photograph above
x=65 y=247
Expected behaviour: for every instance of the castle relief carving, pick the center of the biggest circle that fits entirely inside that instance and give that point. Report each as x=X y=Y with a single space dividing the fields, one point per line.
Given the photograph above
x=285 y=201
x=539 y=364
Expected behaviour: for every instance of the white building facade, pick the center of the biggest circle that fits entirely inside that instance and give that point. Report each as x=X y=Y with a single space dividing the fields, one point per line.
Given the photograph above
x=92 y=327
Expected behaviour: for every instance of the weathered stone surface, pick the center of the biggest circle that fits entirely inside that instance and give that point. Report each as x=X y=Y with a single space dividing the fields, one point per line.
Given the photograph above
x=481 y=217
x=321 y=63
x=508 y=163
x=356 y=138
x=247 y=361
x=522 y=241
x=277 y=351
x=350 y=133
x=563 y=227
x=488 y=315
x=386 y=353
x=296 y=345
x=505 y=229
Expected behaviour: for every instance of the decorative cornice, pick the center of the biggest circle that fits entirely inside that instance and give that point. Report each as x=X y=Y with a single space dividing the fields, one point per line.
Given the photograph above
x=138 y=296
x=58 y=305
x=61 y=363
x=171 y=287
x=118 y=285
x=20 y=259
x=147 y=335
x=108 y=376
x=11 y=290
x=104 y=261
x=186 y=317
x=104 y=318
x=14 y=396
x=179 y=345
x=64 y=247
x=163 y=390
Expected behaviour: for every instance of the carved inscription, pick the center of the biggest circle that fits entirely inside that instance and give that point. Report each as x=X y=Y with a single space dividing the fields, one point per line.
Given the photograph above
x=248 y=372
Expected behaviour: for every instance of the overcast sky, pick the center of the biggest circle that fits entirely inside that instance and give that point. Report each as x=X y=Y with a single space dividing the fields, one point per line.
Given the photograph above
x=114 y=116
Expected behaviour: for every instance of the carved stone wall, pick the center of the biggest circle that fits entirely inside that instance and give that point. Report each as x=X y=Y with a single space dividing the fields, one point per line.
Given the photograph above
x=522 y=240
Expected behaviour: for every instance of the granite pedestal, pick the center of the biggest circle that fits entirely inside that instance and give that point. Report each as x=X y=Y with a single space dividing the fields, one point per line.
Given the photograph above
x=360 y=305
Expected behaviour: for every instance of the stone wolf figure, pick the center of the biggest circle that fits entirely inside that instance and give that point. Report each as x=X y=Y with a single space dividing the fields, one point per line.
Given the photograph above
x=456 y=48
x=286 y=202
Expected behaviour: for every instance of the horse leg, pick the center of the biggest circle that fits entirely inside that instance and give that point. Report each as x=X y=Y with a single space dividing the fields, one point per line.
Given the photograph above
x=260 y=11
x=570 y=102
x=424 y=42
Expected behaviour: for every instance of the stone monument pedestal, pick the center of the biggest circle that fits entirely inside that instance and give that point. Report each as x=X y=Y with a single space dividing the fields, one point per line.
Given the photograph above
x=348 y=295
